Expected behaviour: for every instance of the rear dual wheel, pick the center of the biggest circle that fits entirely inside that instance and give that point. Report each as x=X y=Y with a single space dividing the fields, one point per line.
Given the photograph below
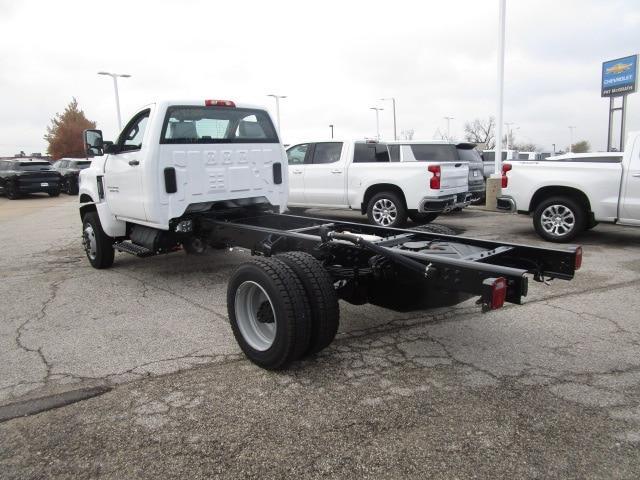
x=282 y=309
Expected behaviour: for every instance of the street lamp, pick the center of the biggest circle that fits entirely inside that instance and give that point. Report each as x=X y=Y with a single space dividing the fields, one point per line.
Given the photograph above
x=508 y=125
x=554 y=148
x=571 y=129
x=331 y=127
x=502 y=15
x=395 y=132
x=448 y=119
x=378 y=110
x=115 y=87
x=277 y=97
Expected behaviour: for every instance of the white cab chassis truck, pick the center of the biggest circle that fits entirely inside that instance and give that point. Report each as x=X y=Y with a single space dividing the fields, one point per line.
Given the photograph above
x=570 y=193
x=188 y=175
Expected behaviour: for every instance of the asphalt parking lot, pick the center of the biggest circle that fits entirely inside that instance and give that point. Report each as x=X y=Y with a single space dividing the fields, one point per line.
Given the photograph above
x=549 y=389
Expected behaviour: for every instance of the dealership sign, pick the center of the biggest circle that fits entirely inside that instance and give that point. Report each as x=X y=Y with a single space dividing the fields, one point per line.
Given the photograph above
x=619 y=77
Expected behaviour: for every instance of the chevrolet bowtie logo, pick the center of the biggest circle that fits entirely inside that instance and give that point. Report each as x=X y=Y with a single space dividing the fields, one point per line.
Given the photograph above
x=618 y=68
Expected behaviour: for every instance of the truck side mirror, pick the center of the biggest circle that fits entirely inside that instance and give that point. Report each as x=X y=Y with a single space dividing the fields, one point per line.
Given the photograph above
x=93 y=143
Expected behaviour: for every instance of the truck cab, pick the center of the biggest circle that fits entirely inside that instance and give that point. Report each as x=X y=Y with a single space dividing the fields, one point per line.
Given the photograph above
x=177 y=159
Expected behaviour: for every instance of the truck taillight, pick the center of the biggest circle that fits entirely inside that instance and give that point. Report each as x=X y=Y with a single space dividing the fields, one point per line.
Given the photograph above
x=494 y=293
x=578 y=263
x=434 y=182
x=219 y=103
x=505 y=168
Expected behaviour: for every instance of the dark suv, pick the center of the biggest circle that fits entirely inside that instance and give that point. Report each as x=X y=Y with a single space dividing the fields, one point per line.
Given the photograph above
x=70 y=168
x=28 y=175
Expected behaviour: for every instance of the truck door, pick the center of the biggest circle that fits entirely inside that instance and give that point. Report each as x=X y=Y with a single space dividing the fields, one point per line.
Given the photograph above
x=630 y=192
x=296 y=158
x=123 y=171
x=325 y=176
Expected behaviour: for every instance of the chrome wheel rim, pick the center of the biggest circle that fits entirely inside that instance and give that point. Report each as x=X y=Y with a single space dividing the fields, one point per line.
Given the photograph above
x=558 y=220
x=255 y=316
x=384 y=212
x=89 y=242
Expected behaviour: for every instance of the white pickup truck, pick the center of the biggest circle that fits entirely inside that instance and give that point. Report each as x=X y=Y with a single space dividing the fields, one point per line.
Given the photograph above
x=570 y=193
x=387 y=181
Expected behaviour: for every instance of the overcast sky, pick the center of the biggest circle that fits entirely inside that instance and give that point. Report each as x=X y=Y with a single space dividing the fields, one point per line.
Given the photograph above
x=333 y=60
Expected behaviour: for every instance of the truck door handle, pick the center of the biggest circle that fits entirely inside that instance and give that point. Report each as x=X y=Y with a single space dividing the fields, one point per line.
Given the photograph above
x=635 y=174
x=335 y=170
x=297 y=171
x=133 y=163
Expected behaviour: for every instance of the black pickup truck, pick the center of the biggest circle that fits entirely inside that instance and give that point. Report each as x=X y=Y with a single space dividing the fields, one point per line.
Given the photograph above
x=26 y=175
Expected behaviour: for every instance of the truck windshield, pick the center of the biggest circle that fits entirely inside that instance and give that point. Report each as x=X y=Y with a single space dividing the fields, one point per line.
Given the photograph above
x=33 y=166
x=434 y=152
x=193 y=124
x=470 y=155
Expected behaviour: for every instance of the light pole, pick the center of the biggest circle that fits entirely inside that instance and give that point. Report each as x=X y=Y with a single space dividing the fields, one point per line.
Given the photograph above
x=331 y=127
x=508 y=125
x=395 y=131
x=554 y=148
x=502 y=15
x=448 y=119
x=115 y=87
x=571 y=129
x=277 y=97
x=377 y=109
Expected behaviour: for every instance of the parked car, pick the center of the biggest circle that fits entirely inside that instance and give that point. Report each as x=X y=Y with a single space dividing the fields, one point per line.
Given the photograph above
x=489 y=160
x=570 y=193
x=386 y=181
x=26 y=175
x=467 y=153
x=69 y=169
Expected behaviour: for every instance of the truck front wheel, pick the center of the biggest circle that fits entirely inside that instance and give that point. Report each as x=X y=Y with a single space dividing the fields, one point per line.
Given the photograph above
x=97 y=245
x=269 y=312
x=386 y=209
x=559 y=219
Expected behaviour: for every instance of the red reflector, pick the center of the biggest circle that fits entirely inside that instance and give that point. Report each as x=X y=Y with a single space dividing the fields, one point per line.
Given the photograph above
x=505 y=168
x=434 y=182
x=494 y=293
x=578 y=258
x=219 y=103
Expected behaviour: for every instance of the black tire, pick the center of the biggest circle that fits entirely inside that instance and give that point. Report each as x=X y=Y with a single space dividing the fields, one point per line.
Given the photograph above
x=54 y=193
x=72 y=186
x=102 y=256
x=394 y=203
x=323 y=300
x=12 y=191
x=591 y=224
x=569 y=212
x=436 y=228
x=289 y=310
x=194 y=246
x=421 y=218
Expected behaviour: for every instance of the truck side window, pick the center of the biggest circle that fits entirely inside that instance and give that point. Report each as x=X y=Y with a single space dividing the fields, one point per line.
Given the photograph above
x=296 y=154
x=132 y=135
x=370 y=153
x=328 y=152
x=394 y=153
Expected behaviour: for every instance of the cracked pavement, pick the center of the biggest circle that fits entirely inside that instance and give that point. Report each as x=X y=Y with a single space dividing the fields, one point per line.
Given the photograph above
x=549 y=389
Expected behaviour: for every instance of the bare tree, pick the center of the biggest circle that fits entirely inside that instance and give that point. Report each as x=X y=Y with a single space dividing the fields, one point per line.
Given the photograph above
x=525 y=147
x=481 y=132
x=407 y=134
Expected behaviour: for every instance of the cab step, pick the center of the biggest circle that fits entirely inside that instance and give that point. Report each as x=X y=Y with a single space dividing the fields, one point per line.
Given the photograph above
x=132 y=248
